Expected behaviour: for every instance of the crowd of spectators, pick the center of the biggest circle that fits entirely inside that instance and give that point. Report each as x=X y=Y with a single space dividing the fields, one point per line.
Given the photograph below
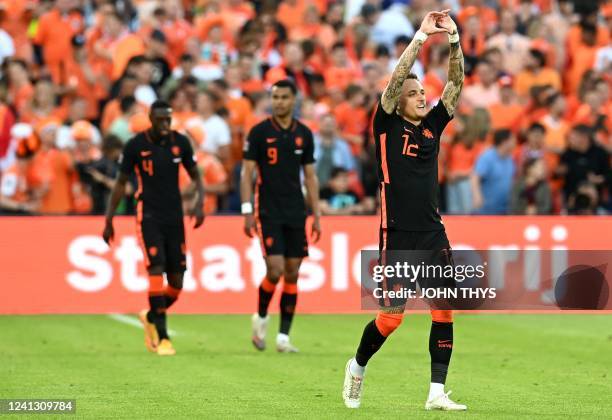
x=532 y=134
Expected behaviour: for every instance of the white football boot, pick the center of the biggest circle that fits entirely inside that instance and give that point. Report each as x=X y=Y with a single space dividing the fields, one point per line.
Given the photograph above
x=283 y=345
x=260 y=328
x=442 y=402
x=353 y=387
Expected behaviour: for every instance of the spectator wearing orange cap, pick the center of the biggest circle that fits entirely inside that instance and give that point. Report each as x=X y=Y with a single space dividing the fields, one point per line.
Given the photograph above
x=513 y=46
x=506 y=114
x=21 y=181
x=535 y=74
x=86 y=141
x=54 y=34
x=76 y=112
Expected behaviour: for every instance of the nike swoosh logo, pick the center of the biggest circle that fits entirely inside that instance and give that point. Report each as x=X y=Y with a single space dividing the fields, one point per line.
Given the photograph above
x=145 y=153
x=270 y=140
x=405 y=129
x=444 y=341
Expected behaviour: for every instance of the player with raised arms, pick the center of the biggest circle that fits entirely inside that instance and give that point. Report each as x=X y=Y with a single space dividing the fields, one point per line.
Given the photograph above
x=408 y=141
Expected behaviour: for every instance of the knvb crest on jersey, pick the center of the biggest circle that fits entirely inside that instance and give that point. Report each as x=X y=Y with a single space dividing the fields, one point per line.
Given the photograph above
x=298 y=142
x=427 y=133
x=176 y=150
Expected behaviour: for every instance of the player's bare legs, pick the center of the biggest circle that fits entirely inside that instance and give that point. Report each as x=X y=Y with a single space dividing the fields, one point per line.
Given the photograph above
x=274 y=272
x=288 y=303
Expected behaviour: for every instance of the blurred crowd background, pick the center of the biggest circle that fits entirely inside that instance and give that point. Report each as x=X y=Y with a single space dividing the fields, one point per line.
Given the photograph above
x=532 y=135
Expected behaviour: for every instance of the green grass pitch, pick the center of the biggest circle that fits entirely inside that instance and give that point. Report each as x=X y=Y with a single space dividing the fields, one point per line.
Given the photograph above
x=504 y=366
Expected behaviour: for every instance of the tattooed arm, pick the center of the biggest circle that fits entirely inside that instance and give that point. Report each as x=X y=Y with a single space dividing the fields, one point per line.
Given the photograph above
x=391 y=94
x=450 y=95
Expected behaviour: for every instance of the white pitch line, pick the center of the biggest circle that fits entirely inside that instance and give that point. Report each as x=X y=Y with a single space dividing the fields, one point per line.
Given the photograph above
x=134 y=322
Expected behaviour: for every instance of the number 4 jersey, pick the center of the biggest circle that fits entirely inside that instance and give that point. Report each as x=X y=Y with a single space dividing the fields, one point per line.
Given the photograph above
x=407 y=157
x=155 y=161
x=280 y=154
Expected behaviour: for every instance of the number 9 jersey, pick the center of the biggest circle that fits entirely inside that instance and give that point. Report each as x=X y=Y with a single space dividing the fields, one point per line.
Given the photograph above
x=280 y=154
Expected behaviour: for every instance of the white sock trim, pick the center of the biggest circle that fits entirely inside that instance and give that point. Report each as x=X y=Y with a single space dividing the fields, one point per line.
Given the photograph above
x=435 y=389
x=282 y=338
x=356 y=369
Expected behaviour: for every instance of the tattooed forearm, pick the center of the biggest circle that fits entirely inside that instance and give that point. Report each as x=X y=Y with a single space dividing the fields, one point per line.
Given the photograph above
x=450 y=96
x=391 y=94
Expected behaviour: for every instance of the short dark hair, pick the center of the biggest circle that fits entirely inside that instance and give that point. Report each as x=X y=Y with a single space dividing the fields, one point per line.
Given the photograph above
x=221 y=84
x=286 y=83
x=337 y=170
x=111 y=142
x=338 y=45
x=583 y=129
x=402 y=39
x=186 y=57
x=126 y=103
x=412 y=75
x=160 y=104
x=137 y=60
x=214 y=98
x=382 y=51
x=500 y=136
x=536 y=126
x=553 y=98
x=538 y=55
x=352 y=90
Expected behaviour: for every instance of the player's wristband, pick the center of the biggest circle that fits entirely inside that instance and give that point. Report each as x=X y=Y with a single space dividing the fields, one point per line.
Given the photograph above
x=420 y=36
x=246 y=208
x=453 y=38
